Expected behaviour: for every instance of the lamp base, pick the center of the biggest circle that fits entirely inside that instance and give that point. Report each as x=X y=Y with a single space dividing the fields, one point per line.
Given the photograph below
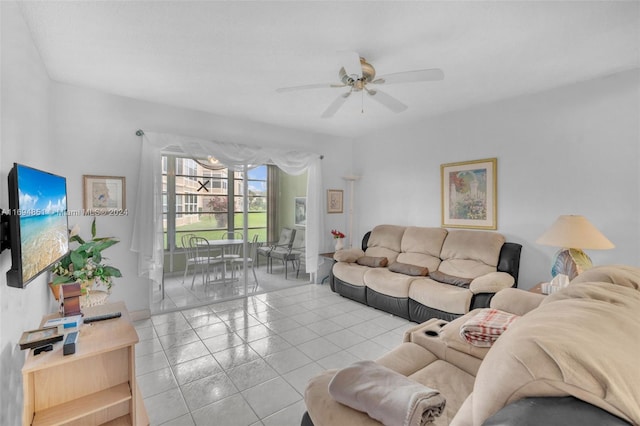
x=570 y=262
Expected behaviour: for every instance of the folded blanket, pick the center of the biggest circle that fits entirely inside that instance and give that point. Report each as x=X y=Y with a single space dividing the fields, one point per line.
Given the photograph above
x=385 y=395
x=484 y=329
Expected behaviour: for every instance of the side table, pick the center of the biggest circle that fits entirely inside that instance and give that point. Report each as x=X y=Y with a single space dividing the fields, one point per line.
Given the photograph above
x=330 y=257
x=95 y=385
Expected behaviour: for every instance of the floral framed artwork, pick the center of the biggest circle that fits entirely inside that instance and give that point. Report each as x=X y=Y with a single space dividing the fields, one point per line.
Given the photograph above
x=335 y=201
x=469 y=194
x=104 y=195
x=300 y=212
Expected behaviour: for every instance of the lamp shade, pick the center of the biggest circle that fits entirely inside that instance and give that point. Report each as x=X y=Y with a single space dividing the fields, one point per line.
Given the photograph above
x=574 y=231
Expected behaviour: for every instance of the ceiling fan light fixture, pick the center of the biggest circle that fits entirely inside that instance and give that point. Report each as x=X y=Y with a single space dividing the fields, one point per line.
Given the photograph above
x=356 y=74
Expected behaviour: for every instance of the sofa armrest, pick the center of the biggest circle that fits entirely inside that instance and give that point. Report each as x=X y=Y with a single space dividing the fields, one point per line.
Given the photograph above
x=348 y=255
x=516 y=301
x=559 y=411
x=492 y=282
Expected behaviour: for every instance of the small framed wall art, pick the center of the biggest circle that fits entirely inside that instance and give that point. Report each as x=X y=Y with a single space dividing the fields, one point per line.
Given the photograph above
x=469 y=194
x=335 y=201
x=104 y=195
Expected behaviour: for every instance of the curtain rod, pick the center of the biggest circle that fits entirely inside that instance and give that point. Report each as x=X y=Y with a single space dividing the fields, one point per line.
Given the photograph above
x=140 y=132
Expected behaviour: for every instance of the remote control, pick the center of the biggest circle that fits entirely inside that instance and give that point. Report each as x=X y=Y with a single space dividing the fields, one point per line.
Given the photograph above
x=102 y=317
x=69 y=346
x=45 y=348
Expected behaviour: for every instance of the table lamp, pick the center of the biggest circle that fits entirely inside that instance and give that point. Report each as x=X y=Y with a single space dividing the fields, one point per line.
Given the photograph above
x=573 y=233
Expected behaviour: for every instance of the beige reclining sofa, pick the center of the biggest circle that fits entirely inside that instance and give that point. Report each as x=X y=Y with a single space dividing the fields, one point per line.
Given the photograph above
x=419 y=273
x=571 y=358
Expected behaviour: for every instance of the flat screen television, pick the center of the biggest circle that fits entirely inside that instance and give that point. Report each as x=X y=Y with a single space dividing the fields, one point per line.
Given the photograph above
x=38 y=228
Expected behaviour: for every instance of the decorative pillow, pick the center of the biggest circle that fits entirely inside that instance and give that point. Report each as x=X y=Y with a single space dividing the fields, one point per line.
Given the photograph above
x=373 y=262
x=450 y=279
x=408 y=269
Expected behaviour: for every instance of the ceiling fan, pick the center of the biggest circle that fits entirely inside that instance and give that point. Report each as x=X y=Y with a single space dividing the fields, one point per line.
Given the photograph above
x=357 y=74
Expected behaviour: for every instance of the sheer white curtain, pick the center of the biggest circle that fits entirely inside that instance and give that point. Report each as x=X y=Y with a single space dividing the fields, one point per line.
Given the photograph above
x=147 y=229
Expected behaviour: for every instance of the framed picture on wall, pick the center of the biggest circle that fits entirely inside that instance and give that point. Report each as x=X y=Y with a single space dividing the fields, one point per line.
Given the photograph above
x=103 y=195
x=300 y=211
x=335 y=201
x=469 y=194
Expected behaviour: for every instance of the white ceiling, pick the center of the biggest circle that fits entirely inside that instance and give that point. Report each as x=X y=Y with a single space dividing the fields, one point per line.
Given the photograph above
x=228 y=57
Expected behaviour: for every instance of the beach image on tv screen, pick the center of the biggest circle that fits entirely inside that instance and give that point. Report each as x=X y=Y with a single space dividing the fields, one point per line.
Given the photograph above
x=43 y=220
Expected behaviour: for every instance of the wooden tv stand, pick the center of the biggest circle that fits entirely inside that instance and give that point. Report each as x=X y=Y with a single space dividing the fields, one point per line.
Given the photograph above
x=94 y=386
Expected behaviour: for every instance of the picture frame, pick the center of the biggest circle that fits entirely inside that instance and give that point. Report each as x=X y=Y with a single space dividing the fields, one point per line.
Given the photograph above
x=335 y=201
x=103 y=195
x=469 y=194
x=300 y=211
x=39 y=337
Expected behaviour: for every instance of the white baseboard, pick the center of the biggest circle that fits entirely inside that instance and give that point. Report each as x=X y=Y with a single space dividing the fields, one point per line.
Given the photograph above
x=140 y=315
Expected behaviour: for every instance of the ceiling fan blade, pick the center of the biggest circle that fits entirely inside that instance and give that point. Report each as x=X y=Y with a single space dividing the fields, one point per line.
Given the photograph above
x=433 y=74
x=335 y=105
x=350 y=61
x=308 y=86
x=387 y=100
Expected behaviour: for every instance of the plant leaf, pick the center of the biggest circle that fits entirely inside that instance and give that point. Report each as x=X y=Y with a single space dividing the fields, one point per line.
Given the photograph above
x=93 y=228
x=102 y=245
x=111 y=271
x=58 y=279
x=77 y=239
x=77 y=259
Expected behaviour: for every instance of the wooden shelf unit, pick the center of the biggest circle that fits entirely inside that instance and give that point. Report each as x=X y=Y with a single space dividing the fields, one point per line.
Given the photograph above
x=94 y=386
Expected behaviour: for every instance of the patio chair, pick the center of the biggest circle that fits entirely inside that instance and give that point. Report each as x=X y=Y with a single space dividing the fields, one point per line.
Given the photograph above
x=239 y=262
x=232 y=251
x=286 y=240
x=204 y=258
x=292 y=254
x=189 y=254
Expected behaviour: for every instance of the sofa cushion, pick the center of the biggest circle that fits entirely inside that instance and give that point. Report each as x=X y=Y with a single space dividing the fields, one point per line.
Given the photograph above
x=444 y=297
x=351 y=273
x=470 y=254
x=348 y=255
x=492 y=282
x=385 y=241
x=453 y=383
x=563 y=348
x=325 y=411
x=421 y=246
x=372 y=262
x=389 y=283
x=441 y=277
x=407 y=358
x=407 y=269
x=516 y=301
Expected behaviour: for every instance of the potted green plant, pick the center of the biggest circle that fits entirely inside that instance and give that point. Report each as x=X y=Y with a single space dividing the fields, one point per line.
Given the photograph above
x=85 y=264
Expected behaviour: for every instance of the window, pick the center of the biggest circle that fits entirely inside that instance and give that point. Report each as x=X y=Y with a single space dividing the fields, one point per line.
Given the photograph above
x=196 y=201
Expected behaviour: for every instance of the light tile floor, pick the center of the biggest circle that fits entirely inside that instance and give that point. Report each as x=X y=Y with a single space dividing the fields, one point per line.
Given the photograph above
x=180 y=294
x=247 y=362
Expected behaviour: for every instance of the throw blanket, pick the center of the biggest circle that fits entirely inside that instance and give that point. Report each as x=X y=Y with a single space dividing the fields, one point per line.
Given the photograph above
x=484 y=329
x=385 y=395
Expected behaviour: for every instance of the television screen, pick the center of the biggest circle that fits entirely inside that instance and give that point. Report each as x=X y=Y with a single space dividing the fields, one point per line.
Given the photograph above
x=38 y=222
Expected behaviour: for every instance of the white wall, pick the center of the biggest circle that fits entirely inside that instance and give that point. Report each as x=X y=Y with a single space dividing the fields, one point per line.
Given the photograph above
x=571 y=150
x=95 y=132
x=73 y=131
x=24 y=138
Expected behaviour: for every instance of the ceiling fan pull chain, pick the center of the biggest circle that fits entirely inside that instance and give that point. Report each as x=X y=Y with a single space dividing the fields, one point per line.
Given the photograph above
x=362 y=102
